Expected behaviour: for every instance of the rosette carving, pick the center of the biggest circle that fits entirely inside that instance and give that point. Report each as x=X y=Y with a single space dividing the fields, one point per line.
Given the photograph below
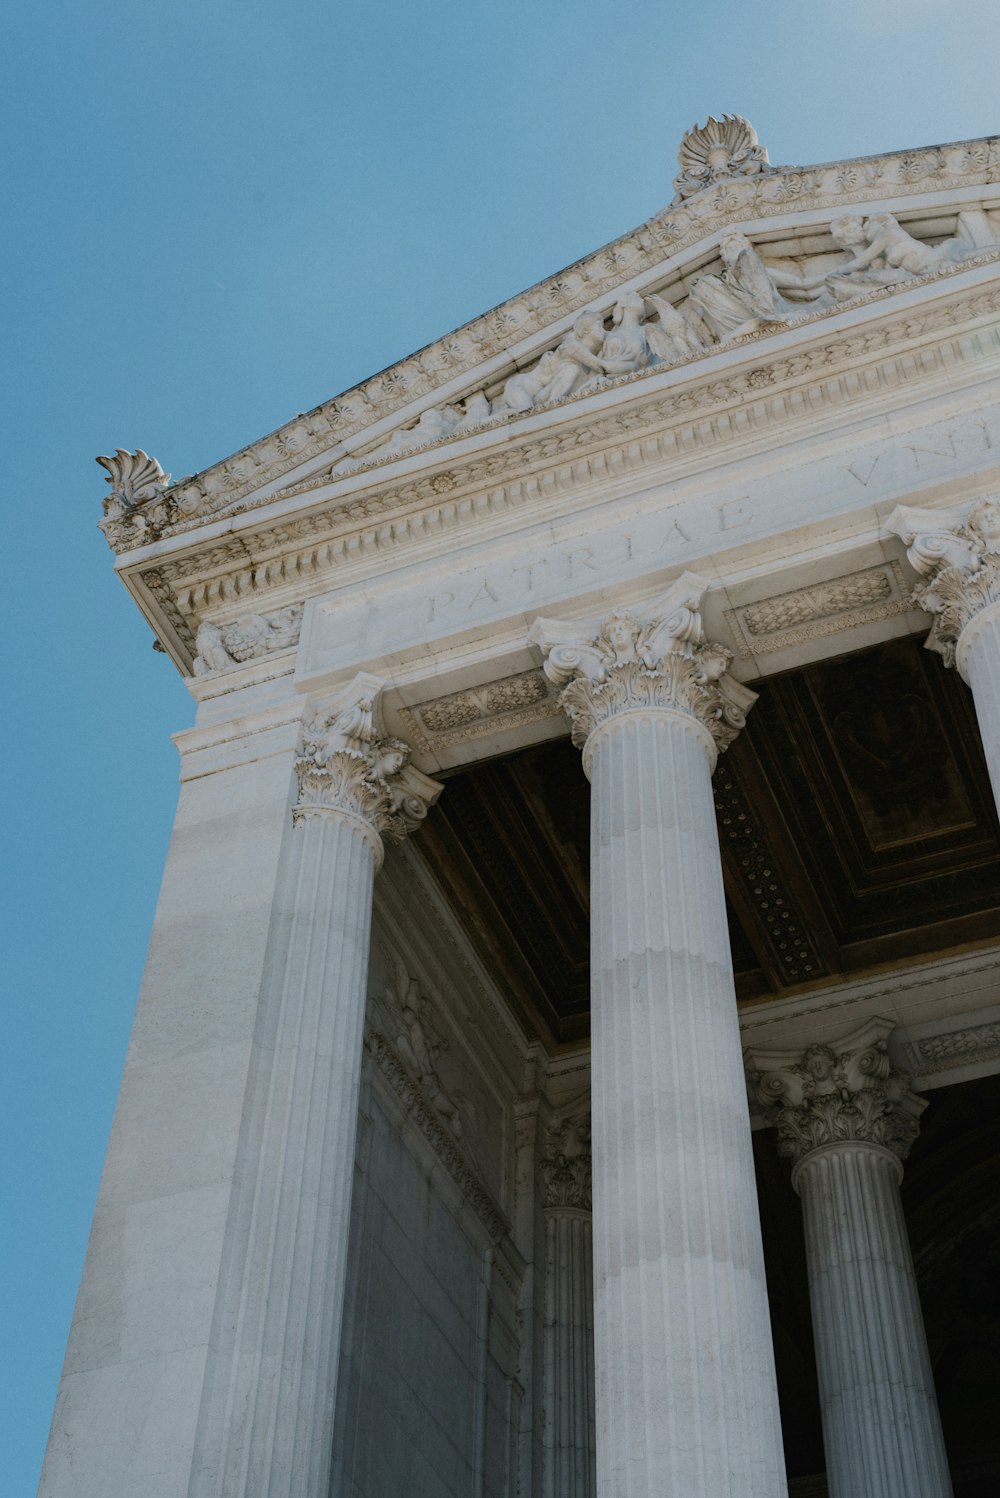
x=720 y=148
x=348 y=764
x=958 y=553
x=566 y=1163
x=837 y=1094
x=622 y=664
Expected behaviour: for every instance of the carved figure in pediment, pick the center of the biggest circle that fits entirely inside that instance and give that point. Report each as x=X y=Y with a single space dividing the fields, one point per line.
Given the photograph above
x=848 y=233
x=746 y=294
x=677 y=334
x=889 y=244
x=527 y=387
x=624 y=349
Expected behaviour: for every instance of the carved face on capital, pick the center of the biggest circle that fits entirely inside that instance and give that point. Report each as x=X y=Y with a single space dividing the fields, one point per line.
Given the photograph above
x=619 y=632
x=819 y=1062
x=390 y=759
x=984 y=524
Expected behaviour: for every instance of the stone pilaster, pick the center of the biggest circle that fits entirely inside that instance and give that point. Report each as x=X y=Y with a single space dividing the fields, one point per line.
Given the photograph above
x=569 y=1308
x=957 y=553
x=267 y=1412
x=846 y=1120
x=685 y=1387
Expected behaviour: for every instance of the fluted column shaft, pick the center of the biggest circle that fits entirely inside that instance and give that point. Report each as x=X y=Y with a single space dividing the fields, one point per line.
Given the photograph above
x=267 y=1412
x=979 y=660
x=686 y=1394
x=881 y=1427
x=569 y=1355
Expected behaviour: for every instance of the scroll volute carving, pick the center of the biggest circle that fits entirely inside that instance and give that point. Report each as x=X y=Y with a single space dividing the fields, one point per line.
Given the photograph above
x=843 y=1093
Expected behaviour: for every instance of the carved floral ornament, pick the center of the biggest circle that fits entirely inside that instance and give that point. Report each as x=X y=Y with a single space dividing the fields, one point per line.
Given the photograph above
x=957 y=553
x=749 y=297
x=350 y=767
x=566 y=1162
x=844 y=1093
x=621 y=664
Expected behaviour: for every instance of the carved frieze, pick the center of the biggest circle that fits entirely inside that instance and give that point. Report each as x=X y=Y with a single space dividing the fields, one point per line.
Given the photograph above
x=966 y=1047
x=313 y=544
x=847 y=1092
x=958 y=553
x=743 y=198
x=621 y=664
x=823 y=609
x=348 y=765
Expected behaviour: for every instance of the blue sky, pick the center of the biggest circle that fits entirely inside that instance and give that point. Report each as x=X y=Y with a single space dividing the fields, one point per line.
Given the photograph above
x=218 y=215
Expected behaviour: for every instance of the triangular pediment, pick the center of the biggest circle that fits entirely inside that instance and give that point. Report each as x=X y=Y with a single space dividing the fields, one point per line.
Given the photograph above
x=742 y=257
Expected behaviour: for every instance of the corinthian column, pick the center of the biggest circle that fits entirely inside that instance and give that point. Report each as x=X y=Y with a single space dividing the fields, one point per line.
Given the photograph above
x=685 y=1388
x=846 y=1120
x=957 y=552
x=569 y=1308
x=267 y=1415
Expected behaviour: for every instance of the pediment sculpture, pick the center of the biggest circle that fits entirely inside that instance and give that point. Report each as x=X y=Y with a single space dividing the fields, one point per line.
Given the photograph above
x=750 y=294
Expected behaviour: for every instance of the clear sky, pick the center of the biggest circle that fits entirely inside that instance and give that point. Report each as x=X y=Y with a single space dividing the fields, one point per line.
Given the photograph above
x=218 y=215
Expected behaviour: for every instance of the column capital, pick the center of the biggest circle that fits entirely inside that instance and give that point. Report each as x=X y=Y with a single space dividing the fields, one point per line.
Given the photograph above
x=957 y=553
x=350 y=767
x=843 y=1093
x=566 y=1162
x=622 y=664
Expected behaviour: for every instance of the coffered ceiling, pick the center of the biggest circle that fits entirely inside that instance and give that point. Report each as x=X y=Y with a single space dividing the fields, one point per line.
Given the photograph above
x=856 y=823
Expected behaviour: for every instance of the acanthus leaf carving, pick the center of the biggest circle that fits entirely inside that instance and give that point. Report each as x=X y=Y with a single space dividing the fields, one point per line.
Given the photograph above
x=620 y=664
x=349 y=765
x=134 y=508
x=566 y=1162
x=957 y=552
x=843 y=1093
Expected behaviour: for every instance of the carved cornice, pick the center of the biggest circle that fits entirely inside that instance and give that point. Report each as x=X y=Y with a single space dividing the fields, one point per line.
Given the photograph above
x=733 y=201
x=617 y=665
x=845 y=1093
x=958 y=553
x=349 y=767
x=297 y=552
x=566 y=1162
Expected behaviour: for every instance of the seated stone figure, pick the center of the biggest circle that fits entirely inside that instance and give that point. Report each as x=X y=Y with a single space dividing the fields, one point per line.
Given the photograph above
x=747 y=293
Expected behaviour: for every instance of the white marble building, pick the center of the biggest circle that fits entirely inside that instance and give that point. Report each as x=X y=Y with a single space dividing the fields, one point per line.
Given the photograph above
x=390 y=1206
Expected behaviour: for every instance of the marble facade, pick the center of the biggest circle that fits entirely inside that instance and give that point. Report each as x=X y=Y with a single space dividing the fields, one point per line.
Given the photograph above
x=361 y=1230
